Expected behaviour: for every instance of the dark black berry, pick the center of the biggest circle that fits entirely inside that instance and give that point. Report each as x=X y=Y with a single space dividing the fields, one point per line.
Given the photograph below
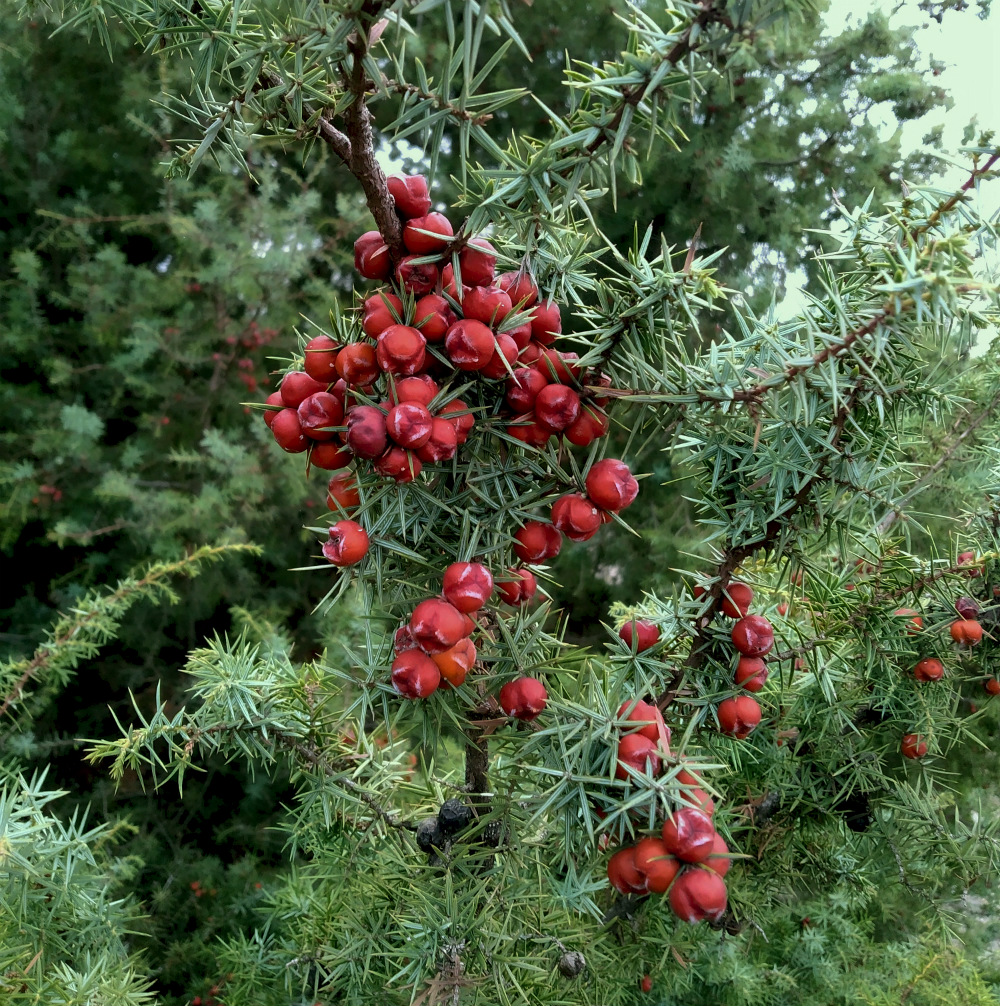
x=429 y=834
x=454 y=816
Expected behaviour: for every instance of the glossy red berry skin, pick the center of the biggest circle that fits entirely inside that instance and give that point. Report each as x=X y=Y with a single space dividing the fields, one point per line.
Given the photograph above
x=753 y=636
x=698 y=894
x=380 y=311
x=366 y=431
x=646 y=984
x=751 y=673
x=638 y=752
x=576 y=516
x=992 y=685
x=321 y=359
x=488 y=304
x=646 y=634
x=739 y=716
x=477 y=262
x=357 y=364
x=329 y=456
x=398 y=464
x=457 y=413
x=410 y=194
x=467 y=585
x=436 y=625
x=653 y=860
x=287 y=431
x=913 y=746
x=319 y=412
x=409 y=424
x=342 y=492
x=536 y=542
x=560 y=368
x=272 y=399
x=965 y=631
x=718 y=859
x=611 y=485
x=347 y=543
x=371 y=256
x=928 y=669
x=420 y=388
x=622 y=872
x=401 y=350
x=297 y=386
x=689 y=835
x=456 y=662
x=433 y=315
x=519 y=587
x=736 y=600
x=523 y=698
x=415 y=675
x=914 y=622
x=438 y=234
x=503 y=359
x=416 y=277
x=523 y=388
x=557 y=406
x=546 y=323
x=591 y=424
x=469 y=344
x=442 y=444
x=519 y=287
x=647 y=720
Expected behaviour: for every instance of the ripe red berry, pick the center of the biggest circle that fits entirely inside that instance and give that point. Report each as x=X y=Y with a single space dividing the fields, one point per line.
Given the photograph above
x=622 y=872
x=272 y=399
x=647 y=720
x=436 y=625
x=371 y=256
x=503 y=359
x=753 y=636
x=652 y=859
x=357 y=364
x=518 y=587
x=329 y=456
x=576 y=516
x=992 y=685
x=718 y=859
x=914 y=622
x=646 y=983
x=457 y=413
x=347 y=544
x=467 y=585
x=297 y=386
x=913 y=746
x=700 y=800
x=321 y=359
x=469 y=344
x=401 y=350
x=646 y=634
x=420 y=388
x=736 y=599
x=416 y=277
x=751 y=673
x=589 y=425
x=409 y=424
x=319 y=412
x=965 y=631
x=557 y=406
x=520 y=287
x=441 y=444
x=698 y=894
x=546 y=323
x=611 y=485
x=530 y=430
x=689 y=835
x=433 y=316
x=536 y=542
x=342 y=492
x=739 y=716
x=558 y=367
x=488 y=304
x=287 y=431
x=427 y=234
x=415 y=675
x=477 y=262
x=523 y=698
x=366 y=431
x=637 y=751
x=967 y=607
x=380 y=311
x=456 y=662
x=523 y=388
x=929 y=669
x=410 y=194
x=967 y=559
x=401 y=465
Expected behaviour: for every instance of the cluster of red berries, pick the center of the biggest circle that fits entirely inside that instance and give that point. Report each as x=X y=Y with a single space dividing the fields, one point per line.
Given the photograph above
x=753 y=637
x=687 y=862
x=434 y=648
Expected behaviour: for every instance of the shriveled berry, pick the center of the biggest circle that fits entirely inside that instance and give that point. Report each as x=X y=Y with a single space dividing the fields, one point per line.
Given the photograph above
x=403 y=640
x=967 y=607
x=611 y=485
x=416 y=277
x=467 y=585
x=347 y=543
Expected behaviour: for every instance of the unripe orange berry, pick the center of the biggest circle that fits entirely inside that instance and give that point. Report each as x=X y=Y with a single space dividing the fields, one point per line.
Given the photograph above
x=965 y=631
x=928 y=669
x=456 y=662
